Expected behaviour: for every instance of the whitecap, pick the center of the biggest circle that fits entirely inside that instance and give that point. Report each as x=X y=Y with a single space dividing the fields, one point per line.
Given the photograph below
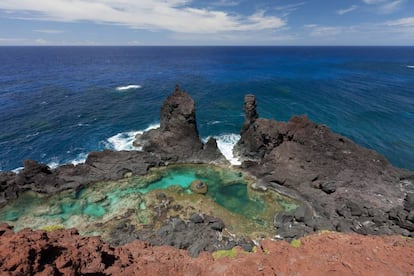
x=32 y=135
x=410 y=66
x=17 y=170
x=226 y=143
x=124 y=140
x=81 y=158
x=214 y=122
x=53 y=164
x=128 y=87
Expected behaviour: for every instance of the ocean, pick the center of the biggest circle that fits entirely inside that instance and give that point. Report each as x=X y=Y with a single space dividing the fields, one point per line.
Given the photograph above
x=59 y=103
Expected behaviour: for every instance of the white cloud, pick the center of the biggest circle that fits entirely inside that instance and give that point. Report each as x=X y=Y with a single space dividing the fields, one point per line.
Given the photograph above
x=391 y=6
x=49 y=31
x=40 y=41
x=172 y=15
x=402 y=22
x=323 y=31
x=350 y=9
x=370 y=2
x=11 y=40
x=226 y=3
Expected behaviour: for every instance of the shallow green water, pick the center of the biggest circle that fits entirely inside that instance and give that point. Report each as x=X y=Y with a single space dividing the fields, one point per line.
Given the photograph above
x=103 y=201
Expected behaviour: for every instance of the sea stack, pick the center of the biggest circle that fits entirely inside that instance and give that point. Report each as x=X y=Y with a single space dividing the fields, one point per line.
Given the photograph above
x=250 y=111
x=177 y=138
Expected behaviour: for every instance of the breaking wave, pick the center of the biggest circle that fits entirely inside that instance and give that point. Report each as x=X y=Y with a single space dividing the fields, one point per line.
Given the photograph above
x=124 y=140
x=128 y=87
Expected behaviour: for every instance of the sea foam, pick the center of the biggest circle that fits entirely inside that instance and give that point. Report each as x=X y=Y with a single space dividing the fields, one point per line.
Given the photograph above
x=128 y=87
x=79 y=159
x=410 y=66
x=124 y=140
x=225 y=143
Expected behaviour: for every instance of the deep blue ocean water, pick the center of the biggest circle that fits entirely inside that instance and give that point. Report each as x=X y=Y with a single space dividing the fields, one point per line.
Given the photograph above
x=59 y=103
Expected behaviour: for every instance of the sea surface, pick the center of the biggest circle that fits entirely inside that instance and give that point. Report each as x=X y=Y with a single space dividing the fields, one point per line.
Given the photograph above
x=59 y=103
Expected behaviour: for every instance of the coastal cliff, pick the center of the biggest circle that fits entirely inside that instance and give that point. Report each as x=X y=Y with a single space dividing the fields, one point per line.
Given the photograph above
x=348 y=187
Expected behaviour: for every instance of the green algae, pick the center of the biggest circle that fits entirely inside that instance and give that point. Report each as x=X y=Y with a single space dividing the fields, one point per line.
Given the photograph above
x=164 y=192
x=231 y=253
x=296 y=243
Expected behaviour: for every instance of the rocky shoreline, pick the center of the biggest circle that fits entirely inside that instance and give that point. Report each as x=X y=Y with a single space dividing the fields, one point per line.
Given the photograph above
x=341 y=185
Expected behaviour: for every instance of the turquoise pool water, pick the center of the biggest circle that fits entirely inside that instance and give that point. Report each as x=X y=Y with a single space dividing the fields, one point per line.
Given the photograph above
x=103 y=201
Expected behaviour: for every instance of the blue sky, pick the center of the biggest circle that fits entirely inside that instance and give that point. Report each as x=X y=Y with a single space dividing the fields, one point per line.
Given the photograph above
x=202 y=22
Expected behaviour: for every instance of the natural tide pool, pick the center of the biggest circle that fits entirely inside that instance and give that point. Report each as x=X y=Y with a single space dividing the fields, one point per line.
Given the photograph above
x=163 y=192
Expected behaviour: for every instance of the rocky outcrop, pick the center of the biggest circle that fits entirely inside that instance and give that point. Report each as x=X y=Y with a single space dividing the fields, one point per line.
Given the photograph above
x=99 y=166
x=350 y=188
x=64 y=252
x=177 y=138
x=200 y=233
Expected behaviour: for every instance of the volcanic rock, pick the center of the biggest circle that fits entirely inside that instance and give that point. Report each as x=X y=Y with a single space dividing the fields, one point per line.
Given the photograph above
x=200 y=233
x=177 y=138
x=64 y=252
x=325 y=169
x=199 y=187
x=99 y=166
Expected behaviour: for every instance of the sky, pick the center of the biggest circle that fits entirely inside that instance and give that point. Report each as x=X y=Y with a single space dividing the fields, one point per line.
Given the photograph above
x=203 y=22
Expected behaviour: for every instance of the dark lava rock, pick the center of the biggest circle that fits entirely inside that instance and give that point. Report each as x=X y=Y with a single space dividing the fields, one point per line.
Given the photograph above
x=195 y=235
x=303 y=214
x=196 y=218
x=300 y=155
x=409 y=202
x=250 y=110
x=177 y=138
x=328 y=187
x=99 y=166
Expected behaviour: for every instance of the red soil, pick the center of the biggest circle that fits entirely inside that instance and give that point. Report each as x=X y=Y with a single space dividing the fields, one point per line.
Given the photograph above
x=64 y=251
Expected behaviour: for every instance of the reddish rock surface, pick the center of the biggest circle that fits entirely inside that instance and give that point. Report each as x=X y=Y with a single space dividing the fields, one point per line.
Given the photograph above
x=64 y=252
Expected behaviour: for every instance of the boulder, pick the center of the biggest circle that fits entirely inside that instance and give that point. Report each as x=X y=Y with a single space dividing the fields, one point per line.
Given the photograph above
x=198 y=187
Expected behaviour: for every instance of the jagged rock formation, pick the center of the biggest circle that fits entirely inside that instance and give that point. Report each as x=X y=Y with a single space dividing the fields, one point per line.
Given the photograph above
x=99 y=166
x=64 y=252
x=177 y=138
x=347 y=186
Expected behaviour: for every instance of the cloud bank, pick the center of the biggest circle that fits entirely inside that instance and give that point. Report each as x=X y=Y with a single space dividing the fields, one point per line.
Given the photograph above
x=172 y=15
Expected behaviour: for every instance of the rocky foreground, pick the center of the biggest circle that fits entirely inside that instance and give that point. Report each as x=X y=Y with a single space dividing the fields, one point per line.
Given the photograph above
x=64 y=252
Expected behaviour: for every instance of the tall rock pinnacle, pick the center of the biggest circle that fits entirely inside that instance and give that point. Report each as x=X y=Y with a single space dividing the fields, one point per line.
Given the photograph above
x=250 y=111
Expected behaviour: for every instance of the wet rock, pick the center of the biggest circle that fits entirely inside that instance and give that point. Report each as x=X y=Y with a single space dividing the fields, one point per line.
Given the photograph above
x=198 y=187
